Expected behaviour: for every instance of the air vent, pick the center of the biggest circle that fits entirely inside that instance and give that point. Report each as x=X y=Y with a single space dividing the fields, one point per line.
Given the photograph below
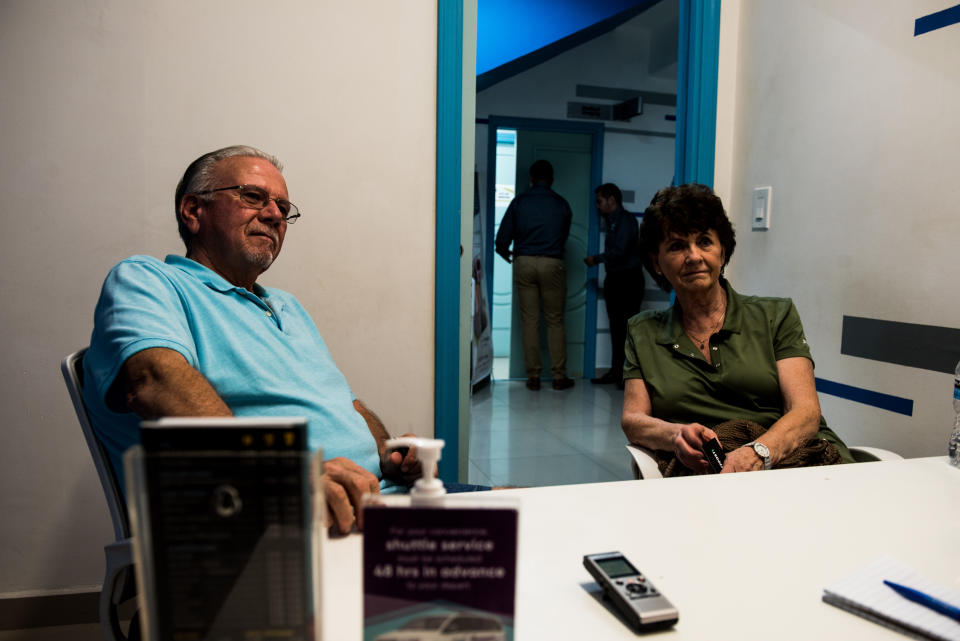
x=623 y=111
x=589 y=111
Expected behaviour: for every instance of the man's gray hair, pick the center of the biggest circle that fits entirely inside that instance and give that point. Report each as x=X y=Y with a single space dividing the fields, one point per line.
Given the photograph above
x=199 y=176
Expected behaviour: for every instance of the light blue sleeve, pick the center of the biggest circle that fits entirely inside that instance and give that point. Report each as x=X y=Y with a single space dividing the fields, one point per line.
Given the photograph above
x=139 y=308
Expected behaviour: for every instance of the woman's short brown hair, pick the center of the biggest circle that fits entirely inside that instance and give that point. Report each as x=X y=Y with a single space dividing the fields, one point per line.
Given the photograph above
x=684 y=210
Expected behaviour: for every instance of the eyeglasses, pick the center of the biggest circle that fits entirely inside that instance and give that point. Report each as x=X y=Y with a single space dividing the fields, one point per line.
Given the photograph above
x=258 y=198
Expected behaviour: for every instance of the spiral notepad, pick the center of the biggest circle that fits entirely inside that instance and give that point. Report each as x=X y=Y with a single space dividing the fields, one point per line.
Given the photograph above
x=863 y=593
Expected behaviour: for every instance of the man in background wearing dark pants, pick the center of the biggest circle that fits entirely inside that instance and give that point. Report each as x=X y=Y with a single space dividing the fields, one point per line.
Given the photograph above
x=623 y=286
x=537 y=222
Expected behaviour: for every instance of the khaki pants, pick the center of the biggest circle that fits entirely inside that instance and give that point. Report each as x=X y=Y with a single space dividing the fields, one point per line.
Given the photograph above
x=536 y=279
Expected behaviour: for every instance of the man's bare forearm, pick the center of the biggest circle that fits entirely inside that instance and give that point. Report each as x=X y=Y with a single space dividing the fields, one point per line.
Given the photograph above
x=374 y=424
x=159 y=382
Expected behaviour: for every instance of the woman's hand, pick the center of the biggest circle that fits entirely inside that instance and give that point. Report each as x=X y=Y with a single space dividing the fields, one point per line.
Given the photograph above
x=742 y=459
x=688 y=446
x=685 y=441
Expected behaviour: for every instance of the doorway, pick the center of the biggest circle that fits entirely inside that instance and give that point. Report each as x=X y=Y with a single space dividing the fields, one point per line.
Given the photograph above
x=695 y=115
x=576 y=152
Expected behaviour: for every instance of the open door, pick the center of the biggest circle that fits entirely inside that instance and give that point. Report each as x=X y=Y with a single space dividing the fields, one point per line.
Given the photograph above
x=570 y=155
x=575 y=151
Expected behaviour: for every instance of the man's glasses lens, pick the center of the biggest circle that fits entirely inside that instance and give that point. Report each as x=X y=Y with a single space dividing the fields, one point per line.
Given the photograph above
x=258 y=198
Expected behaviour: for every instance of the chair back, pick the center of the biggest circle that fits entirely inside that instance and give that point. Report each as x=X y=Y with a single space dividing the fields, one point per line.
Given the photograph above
x=72 y=368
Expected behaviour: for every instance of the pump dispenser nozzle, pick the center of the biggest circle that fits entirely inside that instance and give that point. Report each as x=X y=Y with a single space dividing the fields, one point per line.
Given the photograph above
x=428 y=487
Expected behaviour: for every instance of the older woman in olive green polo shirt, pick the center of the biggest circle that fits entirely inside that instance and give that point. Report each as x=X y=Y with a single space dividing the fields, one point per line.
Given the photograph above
x=715 y=355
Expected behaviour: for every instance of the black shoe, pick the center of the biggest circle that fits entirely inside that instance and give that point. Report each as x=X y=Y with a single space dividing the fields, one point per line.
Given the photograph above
x=606 y=379
x=562 y=383
x=533 y=384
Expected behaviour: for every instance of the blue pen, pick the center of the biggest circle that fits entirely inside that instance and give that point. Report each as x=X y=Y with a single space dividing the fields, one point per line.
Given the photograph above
x=926 y=600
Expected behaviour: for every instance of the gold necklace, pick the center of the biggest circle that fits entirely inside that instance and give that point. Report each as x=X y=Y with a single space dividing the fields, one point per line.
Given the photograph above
x=703 y=341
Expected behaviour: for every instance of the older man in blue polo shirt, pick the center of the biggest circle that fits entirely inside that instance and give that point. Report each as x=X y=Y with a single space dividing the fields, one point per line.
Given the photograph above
x=197 y=336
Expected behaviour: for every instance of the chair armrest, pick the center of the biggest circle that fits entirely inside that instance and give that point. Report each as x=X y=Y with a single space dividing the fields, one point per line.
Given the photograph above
x=864 y=454
x=643 y=464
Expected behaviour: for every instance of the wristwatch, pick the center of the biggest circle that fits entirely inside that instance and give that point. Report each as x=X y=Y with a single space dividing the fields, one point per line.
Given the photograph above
x=763 y=452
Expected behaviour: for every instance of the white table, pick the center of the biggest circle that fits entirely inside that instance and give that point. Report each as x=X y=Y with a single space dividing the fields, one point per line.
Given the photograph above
x=742 y=556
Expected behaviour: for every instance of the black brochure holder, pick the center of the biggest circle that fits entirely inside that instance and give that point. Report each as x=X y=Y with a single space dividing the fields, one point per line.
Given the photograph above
x=225 y=542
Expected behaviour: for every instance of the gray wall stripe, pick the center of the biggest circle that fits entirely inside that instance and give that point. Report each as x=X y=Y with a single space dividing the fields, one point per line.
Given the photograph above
x=924 y=346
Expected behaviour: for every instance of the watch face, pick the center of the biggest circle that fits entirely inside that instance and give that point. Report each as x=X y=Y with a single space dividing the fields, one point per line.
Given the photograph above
x=761 y=449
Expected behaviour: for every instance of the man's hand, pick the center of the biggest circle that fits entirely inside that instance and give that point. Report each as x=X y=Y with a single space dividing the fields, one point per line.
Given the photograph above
x=344 y=484
x=742 y=459
x=401 y=465
x=591 y=261
x=688 y=446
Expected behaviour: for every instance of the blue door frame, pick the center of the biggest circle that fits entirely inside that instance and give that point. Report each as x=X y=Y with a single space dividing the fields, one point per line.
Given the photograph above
x=447 y=370
x=696 y=133
x=593 y=233
x=697 y=59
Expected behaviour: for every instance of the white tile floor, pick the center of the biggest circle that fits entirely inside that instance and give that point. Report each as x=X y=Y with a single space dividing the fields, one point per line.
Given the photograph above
x=519 y=437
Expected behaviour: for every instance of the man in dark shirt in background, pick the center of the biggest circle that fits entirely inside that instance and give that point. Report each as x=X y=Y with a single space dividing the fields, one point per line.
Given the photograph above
x=623 y=286
x=537 y=222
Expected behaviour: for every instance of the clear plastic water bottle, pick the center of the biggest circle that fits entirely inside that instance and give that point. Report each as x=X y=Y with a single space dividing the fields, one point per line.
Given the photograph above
x=953 y=450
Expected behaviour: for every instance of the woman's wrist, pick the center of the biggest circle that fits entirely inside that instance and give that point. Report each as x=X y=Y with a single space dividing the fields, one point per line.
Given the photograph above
x=677 y=440
x=762 y=453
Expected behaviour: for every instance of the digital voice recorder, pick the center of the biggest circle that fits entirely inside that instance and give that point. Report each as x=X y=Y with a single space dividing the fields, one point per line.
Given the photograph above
x=636 y=598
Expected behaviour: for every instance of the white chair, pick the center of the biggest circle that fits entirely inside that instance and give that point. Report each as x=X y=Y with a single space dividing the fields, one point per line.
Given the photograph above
x=118 y=580
x=864 y=454
x=645 y=465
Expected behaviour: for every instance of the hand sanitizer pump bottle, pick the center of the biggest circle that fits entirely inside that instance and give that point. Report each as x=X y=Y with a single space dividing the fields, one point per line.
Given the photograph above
x=427 y=489
x=452 y=556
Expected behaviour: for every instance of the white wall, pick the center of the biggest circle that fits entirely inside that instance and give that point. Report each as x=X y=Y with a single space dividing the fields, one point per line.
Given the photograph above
x=852 y=121
x=104 y=104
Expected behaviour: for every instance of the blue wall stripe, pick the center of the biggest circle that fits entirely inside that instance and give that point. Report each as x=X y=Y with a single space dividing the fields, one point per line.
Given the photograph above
x=887 y=402
x=446 y=413
x=937 y=20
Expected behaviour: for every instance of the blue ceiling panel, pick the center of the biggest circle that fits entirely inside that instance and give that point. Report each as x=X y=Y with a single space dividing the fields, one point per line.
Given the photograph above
x=514 y=35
